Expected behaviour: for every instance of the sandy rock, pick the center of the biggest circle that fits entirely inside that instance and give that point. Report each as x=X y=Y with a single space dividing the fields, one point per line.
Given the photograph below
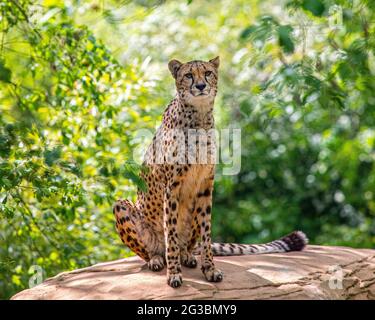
x=318 y=272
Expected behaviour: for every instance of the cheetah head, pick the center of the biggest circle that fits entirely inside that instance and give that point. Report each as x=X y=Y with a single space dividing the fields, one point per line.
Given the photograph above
x=196 y=81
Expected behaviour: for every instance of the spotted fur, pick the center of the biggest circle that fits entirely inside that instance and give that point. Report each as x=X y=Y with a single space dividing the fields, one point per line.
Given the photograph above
x=169 y=220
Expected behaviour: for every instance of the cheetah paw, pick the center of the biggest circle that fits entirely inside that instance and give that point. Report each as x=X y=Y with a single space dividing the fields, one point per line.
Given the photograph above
x=175 y=280
x=156 y=263
x=213 y=275
x=189 y=261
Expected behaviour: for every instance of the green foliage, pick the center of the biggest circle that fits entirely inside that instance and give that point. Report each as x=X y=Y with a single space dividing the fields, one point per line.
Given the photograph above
x=316 y=7
x=77 y=82
x=285 y=40
x=5 y=73
x=268 y=27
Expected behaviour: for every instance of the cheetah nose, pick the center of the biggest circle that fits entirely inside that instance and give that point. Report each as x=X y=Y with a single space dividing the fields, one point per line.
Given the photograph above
x=200 y=86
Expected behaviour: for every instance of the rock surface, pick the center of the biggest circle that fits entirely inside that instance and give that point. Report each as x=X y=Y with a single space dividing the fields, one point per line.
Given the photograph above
x=314 y=273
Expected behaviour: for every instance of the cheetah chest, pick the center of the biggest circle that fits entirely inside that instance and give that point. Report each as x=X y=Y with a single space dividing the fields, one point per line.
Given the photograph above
x=190 y=187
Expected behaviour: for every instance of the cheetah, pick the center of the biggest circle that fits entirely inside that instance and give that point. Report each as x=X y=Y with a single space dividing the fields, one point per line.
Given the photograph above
x=171 y=221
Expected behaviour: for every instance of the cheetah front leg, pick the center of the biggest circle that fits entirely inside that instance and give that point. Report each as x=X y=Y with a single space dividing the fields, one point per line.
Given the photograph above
x=172 y=254
x=203 y=211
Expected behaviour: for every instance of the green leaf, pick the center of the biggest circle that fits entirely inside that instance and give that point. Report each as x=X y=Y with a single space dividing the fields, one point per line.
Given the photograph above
x=247 y=32
x=263 y=30
x=7 y=211
x=5 y=73
x=50 y=156
x=285 y=40
x=316 y=7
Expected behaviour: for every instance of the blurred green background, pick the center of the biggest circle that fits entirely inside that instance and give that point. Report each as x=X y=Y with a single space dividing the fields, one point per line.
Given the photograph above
x=79 y=78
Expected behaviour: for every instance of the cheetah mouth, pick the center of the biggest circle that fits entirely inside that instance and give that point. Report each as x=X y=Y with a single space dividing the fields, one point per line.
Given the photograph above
x=200 y=94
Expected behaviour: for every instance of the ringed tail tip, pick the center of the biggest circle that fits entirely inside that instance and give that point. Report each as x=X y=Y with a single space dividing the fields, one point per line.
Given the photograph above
x=296 y=240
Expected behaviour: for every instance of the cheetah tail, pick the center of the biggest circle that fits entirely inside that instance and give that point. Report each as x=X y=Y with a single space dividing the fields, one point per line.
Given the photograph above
x=294 y=241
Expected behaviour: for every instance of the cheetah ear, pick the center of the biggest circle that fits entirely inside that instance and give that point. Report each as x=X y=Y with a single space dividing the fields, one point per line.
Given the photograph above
x=173 y=66
x=215 y=62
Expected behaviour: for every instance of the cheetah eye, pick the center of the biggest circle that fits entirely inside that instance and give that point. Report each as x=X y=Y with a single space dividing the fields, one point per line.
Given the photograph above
x=189 y=76
x=208 y=73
